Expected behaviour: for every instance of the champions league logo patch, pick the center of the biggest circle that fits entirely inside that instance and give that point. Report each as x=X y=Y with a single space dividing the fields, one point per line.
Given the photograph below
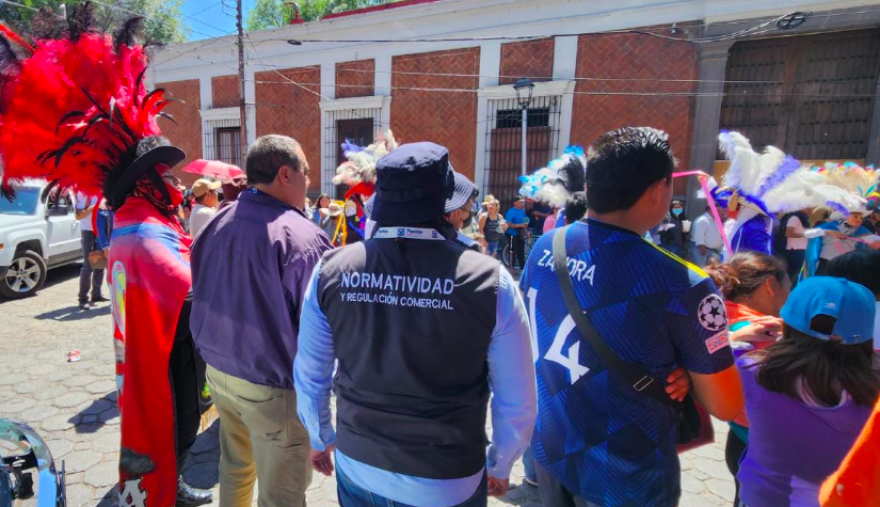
x=712 y=314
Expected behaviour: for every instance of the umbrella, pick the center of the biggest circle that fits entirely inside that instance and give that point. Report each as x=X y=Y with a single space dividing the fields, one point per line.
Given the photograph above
x=213 y=169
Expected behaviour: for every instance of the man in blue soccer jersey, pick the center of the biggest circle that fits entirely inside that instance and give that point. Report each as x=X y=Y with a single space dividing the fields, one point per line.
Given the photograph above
x=598 y=441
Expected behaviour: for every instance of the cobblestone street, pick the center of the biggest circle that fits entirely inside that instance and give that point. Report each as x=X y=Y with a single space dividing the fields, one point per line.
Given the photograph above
x=73 y=405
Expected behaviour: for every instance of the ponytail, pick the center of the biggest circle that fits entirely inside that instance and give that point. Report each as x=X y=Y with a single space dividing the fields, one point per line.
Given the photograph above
x=744 y=273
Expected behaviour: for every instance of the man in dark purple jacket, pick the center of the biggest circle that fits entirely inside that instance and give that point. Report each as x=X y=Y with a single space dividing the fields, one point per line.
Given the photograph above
x=251 y=265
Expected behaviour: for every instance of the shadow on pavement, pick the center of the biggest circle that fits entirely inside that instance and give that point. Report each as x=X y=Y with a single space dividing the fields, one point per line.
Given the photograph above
x=72 y=313
x=96 y=415
x=55 y=276
x=111 y=499
x=62 y=274
x=201 y=469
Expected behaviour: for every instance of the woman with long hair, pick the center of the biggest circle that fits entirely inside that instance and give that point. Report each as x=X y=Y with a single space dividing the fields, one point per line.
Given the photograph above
x=808 y=395
x=755 y=286
x=492 y=225
x=322 y=203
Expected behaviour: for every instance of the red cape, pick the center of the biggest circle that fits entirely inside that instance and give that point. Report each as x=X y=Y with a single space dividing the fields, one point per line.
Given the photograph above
x=150 y=278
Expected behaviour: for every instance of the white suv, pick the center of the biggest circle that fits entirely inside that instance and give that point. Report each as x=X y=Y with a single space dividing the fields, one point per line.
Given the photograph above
x=38 y=231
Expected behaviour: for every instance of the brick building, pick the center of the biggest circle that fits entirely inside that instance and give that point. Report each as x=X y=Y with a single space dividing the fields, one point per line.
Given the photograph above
x=809 y=88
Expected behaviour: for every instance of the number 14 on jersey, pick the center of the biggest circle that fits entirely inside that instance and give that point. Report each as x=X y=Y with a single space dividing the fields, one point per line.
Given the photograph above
x=569 y=360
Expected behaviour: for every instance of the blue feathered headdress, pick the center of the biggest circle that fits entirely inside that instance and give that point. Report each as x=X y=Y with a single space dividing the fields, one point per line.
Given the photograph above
x=555 y=183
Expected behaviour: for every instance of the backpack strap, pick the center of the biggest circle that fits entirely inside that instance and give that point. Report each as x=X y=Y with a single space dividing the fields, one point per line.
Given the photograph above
x=640 y=379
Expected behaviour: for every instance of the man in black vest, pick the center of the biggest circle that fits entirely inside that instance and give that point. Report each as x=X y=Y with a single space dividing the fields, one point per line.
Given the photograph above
x=423 y=329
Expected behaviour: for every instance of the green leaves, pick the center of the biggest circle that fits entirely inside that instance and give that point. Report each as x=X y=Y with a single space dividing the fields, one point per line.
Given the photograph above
x=164 y=24
x=274 y=13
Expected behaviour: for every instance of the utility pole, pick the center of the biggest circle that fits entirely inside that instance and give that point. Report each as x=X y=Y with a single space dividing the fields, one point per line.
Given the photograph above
x=242 y=106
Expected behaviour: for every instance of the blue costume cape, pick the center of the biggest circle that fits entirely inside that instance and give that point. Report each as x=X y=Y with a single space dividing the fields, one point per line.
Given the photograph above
x=753 y=236
x=814 y=246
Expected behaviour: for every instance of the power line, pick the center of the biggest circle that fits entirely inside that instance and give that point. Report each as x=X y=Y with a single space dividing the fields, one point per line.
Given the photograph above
x=140 y=14
x=239 y=23
x=549 y=78
x=288 y=81
x=754 y=30
x=191 y=50
x=211 y=38
x=207 y=8
x=599 y=93
x=291 y=81
x=758 y=29
x=749 y=31
x=270 y=66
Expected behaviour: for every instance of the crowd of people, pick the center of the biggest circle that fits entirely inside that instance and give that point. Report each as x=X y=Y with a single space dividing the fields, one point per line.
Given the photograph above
x=600 y=364
x=370 y=322
x=798 y=367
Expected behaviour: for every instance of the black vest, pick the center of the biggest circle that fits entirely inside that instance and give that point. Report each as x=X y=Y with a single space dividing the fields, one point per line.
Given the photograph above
x=412 y=321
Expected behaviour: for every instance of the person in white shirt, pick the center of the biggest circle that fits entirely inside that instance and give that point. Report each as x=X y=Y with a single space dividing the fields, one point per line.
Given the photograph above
x=795 y=224
x=207 y=200
x=706 y=242
x=90 y=280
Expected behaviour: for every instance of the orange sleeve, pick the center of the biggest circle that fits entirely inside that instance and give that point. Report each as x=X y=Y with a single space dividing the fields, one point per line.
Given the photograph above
x=857 y=482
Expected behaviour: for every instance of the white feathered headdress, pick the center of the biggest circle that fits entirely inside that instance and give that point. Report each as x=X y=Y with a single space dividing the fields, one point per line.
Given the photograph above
x=555 y=183
x=773 y=182
x=360 y=168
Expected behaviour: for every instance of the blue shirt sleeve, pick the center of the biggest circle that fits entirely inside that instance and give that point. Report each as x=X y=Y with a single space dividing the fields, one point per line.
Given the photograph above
x=512 y=378
x=313 y=369
x=699 y=329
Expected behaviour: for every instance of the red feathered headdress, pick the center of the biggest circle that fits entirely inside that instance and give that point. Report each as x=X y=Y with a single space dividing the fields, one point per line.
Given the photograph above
x=73 y=106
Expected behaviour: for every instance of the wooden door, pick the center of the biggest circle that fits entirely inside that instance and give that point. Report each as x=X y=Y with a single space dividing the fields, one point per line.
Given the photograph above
x=811 y=96
x=359 y=132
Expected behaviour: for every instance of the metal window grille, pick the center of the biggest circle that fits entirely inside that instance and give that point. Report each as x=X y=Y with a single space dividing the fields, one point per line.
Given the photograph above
x=332 y=153
x=512 y=118
x=223 y=141
x=504 y=142
x=229 y=145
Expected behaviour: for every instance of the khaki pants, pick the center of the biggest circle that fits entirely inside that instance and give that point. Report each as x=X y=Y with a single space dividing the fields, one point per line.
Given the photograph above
x=261 y=437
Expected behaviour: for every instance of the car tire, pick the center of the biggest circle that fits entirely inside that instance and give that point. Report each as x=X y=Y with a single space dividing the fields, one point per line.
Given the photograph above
x=25 y=276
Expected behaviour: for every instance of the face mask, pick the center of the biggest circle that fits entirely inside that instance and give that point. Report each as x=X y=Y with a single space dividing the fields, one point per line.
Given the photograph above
x=171 y=184
x=176 y=195
x=677 y=211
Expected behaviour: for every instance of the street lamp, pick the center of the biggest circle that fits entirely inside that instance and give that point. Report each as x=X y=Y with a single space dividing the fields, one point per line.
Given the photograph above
x=524 y=88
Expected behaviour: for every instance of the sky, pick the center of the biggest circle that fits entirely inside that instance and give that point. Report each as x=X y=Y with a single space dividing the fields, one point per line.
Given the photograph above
x=211 y=18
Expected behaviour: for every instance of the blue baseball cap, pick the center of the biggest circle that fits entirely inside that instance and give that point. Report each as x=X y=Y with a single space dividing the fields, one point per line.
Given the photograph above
x=850 y=304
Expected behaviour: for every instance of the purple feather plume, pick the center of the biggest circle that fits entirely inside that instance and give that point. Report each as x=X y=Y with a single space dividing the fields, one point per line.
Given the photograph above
x=836 y=206
x=349 y=146
x=789 y=166
x=757 y=202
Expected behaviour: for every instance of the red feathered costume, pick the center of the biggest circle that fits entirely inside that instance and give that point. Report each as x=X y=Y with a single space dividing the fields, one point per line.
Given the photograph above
x=74 y=110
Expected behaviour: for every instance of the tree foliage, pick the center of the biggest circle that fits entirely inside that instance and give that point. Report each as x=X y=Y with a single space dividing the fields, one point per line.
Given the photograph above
x=276 y=13
x=164 y=21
